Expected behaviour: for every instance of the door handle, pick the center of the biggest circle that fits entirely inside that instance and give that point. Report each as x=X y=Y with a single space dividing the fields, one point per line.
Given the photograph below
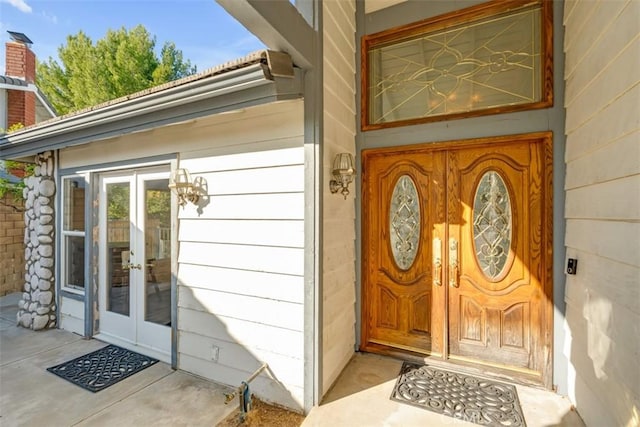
x=132 y=267
x=453 y=263
x=437 y=261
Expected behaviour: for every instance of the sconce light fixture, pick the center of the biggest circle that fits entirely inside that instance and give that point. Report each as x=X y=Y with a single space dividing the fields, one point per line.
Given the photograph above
x=343 y=173
x=181 y=184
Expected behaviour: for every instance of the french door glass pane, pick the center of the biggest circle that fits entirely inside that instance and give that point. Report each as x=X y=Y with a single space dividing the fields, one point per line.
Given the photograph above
x=119 y=247
x=157 y=243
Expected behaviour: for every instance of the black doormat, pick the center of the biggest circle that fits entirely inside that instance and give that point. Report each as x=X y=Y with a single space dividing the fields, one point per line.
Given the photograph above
x=460 y=396
x=99 y=369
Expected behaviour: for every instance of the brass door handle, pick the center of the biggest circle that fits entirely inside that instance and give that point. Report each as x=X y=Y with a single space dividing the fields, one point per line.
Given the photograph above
x=453 y=263
x=132 y=267
x=437 y=261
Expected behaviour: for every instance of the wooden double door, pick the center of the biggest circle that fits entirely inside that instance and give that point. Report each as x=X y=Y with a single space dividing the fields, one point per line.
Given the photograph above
x=457 y=253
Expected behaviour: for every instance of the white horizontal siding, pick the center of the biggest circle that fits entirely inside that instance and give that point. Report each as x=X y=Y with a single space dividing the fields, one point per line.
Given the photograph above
x=232 y=355
x=614 y=240
x=590 y=84
x=281 y=314
x=241 y=260
x=264 y=154
x=619 y=200
x=224 y=131
x=282 y=179
x=602 y=209
x=595 y=53
x=263 y=386
x=338 y=252
x=243 y=257
x=251 y=335
x=249 y=206
x=281 y=287
x=282 y=233
x=603 y=276
x=72 y=315
x=619 y=158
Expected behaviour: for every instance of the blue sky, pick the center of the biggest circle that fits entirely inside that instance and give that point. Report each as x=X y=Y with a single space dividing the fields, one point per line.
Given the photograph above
x=205 y=33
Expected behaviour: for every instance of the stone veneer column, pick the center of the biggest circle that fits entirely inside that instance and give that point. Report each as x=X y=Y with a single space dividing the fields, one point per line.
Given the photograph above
x=37 y=308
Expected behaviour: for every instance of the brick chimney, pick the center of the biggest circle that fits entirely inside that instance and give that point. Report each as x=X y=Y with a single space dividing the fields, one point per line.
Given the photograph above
x=20 y=63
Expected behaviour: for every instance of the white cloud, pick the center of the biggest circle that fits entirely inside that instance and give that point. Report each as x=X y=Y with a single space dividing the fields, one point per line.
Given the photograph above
x=21 y=5
x=49 y=17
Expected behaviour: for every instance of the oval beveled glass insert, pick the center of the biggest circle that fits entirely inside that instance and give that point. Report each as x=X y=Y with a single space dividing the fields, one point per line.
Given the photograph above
x=404 y=222
x=492 y=225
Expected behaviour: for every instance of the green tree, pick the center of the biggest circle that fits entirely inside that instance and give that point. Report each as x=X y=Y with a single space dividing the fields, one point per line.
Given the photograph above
x=121 y=63
x=13 y=186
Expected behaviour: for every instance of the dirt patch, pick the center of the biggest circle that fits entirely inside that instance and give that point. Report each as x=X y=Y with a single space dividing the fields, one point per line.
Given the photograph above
x=263 y=414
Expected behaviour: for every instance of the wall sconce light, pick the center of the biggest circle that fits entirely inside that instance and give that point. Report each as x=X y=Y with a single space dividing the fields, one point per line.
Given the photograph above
x=343 y=173
x=182 y=185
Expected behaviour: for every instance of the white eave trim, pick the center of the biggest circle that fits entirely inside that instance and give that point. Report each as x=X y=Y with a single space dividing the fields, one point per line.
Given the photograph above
x=154 y=109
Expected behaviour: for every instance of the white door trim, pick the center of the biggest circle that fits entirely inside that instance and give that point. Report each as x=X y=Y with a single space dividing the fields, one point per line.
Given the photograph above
x=131 y=331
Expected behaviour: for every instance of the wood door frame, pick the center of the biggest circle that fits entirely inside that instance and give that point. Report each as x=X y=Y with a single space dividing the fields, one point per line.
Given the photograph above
x=545 y=151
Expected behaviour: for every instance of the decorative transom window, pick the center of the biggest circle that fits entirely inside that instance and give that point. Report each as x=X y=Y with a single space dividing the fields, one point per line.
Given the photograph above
x=492 y=58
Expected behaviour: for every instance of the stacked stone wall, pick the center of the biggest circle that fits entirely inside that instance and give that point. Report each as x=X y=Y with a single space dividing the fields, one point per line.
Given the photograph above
x=11 y=245
x=37 y=308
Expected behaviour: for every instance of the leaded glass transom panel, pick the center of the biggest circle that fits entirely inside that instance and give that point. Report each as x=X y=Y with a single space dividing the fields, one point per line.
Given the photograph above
x=404 y=222
x=478 y=64
x=492 y=225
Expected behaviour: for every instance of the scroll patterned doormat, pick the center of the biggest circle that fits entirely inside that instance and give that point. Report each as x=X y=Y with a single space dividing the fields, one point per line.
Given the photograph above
x=460 y=396
x=99 y=369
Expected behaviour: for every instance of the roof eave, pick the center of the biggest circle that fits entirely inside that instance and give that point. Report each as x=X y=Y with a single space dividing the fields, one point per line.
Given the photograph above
x=14 y=83
x=240 y=88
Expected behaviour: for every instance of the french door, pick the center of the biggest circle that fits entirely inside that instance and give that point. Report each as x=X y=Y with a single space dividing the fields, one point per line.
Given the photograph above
x=135 y=261
x=457 y=252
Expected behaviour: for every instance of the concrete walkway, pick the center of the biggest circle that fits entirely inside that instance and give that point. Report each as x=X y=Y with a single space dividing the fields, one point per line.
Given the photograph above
x=31 y=396
x=360 y=397
x=159 y=396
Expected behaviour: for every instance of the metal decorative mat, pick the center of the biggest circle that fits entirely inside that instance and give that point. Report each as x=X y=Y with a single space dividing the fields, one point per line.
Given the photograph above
x=99 y=369
x=460 y=396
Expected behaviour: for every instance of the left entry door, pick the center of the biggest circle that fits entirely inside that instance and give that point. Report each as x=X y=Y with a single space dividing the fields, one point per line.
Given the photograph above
x=404 y=213
x=135 y=261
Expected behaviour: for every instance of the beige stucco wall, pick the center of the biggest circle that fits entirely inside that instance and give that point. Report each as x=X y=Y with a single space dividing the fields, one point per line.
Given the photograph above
x=338 y=253
x=602 y=74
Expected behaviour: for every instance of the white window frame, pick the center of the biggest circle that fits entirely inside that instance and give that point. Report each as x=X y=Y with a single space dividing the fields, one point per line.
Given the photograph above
x=69 y=233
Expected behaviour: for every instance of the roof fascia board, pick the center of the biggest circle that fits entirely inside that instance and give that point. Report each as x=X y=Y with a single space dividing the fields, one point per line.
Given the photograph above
x=14 y=87
x=278 y=24
x=203 y=101
x=184 y=94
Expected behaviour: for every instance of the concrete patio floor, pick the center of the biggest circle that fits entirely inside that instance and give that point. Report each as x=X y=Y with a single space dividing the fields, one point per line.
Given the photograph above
x=31 y=396
x=360 y=397
x=160 y=396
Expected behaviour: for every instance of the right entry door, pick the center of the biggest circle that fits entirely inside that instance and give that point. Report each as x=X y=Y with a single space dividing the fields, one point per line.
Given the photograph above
x=481 y=271
x=498 y=198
